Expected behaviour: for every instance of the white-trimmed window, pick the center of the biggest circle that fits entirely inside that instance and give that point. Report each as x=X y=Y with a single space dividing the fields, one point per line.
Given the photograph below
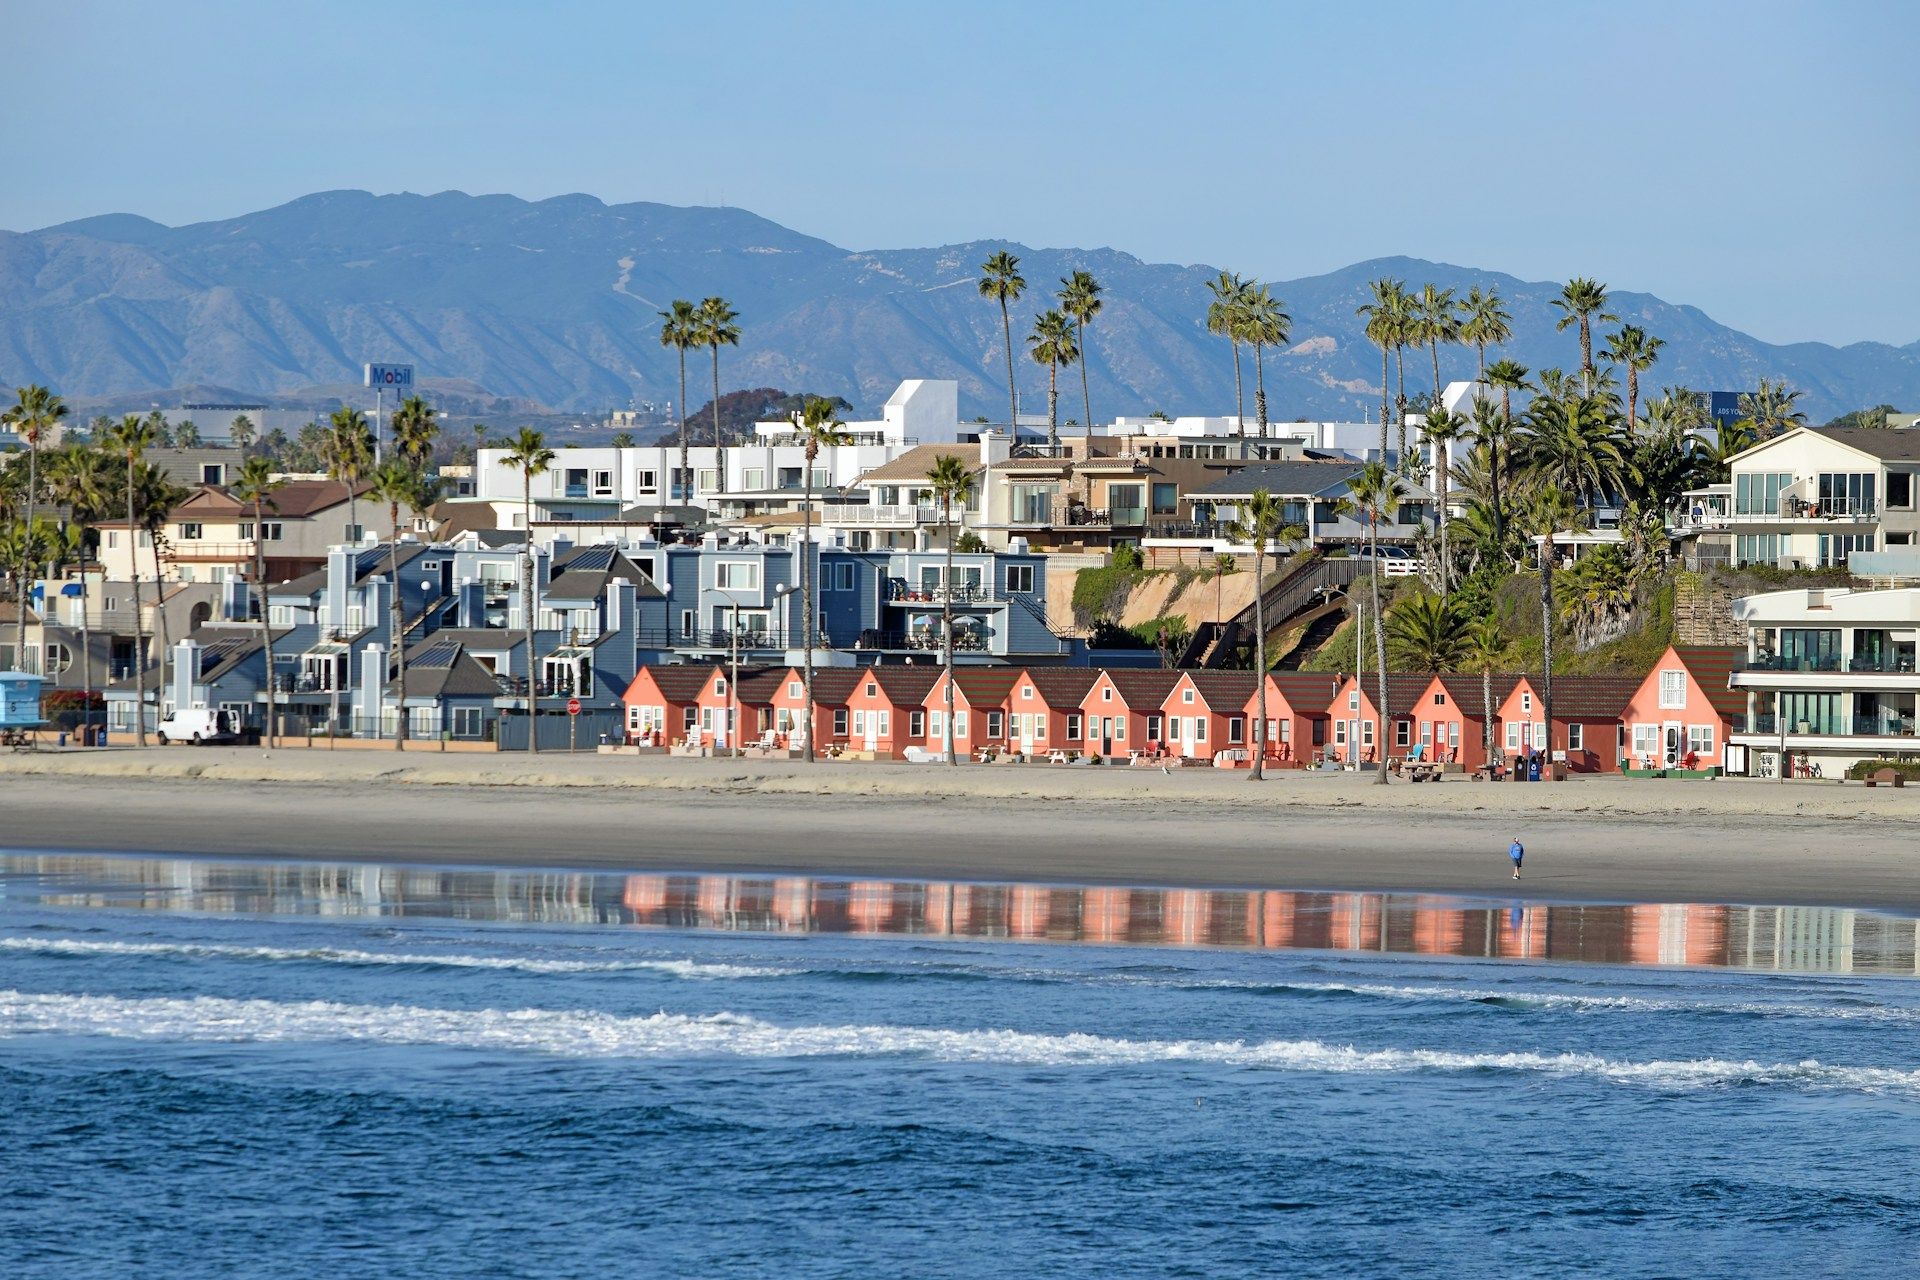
x=1199 y=728
x=1106 y=695
x=1186 y=695
x=884 y=723
x=1236 y=730
x=1673 y=688
x=1339 y=733
x=1576 y=737
x=796 y=689
x=1646 y=741
x=737 y=575
x=1073 y=726
x=1020 y=579
x=1353 y=699
x=993 y=724
x=719 y=686
x=916 y=724
x=1513 y=734
x=1402 y=733
x=959 y=724
x=859 y=722
x=1154 y=726
x=1526 y=703
x=1366 y=733
x=1026 y=693
x=1700 y=739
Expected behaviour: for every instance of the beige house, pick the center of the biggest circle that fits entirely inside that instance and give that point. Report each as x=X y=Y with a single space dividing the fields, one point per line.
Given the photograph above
x=211 y=536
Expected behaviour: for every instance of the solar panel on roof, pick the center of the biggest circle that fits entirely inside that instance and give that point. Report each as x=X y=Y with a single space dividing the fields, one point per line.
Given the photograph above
x=440 y=655
x=592 y=559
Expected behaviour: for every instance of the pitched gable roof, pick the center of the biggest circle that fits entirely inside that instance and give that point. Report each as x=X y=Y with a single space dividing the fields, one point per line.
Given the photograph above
x=1711 y=667
x=982 y=686
x=678 y=682
x=901 y=683
x=1306 y=691
x=1142 y=688
x=1063 y=686
x=1593 y=697
x=1403 y=689
x=918 y=462
x=832 y=686
x=1223 y=690
x=1465 y=691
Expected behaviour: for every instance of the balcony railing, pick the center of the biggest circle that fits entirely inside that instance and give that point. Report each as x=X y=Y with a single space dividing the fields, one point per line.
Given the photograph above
x=1780 y=662
x=889 y=516
x=1879 y=725
x=964 y=641
x=901 y=593
x=1881 y=662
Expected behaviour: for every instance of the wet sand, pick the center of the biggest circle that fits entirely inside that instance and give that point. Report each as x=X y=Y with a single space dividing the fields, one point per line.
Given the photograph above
x=1602 y=839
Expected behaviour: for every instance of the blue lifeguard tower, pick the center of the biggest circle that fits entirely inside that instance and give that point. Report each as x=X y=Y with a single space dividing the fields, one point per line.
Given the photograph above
x=19 y=707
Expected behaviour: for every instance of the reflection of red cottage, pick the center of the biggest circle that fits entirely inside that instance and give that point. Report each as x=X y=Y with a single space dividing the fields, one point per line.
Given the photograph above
x=1296 y=715
x=663 y=702
x=1684 y=708
x=883 y=714
x=1131 y=700
x=979 y=709
x=1044 y=713
x=788 y=702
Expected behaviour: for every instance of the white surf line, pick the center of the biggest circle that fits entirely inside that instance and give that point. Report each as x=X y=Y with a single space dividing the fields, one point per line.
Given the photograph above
x=591 y=1034
x=692 y=969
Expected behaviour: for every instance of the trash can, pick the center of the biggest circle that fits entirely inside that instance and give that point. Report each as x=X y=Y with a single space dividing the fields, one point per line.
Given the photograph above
x=1533 y=769
x=63 y=738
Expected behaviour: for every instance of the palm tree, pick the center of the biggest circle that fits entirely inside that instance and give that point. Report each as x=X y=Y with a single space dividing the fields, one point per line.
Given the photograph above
x=1581 y=301
x=1486 y=645
x=1577 y=446
x=35 y=413
x=1771 y=409
x=241 y=432
x=1509 y=376
x=255 y=487
x=159 y=496
x=816 y=426
x=1080 y=299
x=528 y=454
x=187 y=435
x=1374 y=494
x=1384 y=314
x=1484 y=322
x=414 y=430
x=1000 y=279
x=131 y=437
x=1223 y=564
x=1442 y=429
x=1264 y=323
x=78 y=478
x=717 y=329
x=1636 y=350
x=1264 y=521
x=952 y=485
x=1428 y=633
x=1434 y=322
x=680 y=329
x=399 y=483
x=1051 y=344
x=1226 y=317
x=1550 y=513
x=349 y=444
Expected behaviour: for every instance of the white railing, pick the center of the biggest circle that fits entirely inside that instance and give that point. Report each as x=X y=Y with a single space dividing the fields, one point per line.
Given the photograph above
x=870 y=514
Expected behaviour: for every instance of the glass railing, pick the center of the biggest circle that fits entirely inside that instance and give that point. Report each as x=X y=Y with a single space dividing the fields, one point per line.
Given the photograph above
x=1881 y=662
x=1883 y=726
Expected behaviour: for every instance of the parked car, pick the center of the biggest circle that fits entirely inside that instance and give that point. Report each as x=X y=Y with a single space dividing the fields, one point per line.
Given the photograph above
x=200 y=725
x=1383 y=552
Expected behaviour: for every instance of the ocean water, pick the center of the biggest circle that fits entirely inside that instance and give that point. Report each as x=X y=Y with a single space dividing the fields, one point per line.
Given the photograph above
x=220 y=1069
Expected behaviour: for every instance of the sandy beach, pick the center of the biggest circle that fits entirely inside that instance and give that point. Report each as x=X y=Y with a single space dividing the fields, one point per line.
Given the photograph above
x=1600 y=839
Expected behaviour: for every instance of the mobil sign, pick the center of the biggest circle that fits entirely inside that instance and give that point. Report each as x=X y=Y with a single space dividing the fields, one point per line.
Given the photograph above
x=390 y=377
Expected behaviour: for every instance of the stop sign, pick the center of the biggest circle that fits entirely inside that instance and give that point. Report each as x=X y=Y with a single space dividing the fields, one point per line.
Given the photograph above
x=573 y=706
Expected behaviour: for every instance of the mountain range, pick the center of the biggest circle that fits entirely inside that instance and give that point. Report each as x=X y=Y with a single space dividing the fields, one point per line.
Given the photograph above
x=555 y=301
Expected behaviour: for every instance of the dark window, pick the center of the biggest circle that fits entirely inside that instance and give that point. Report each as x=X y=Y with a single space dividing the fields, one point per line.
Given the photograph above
x=840 y=722
x=1899 y=489
x=1236 y=729
x=1073 y=726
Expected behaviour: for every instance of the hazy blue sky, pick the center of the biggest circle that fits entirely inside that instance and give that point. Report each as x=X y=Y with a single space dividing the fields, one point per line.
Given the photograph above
x=1759 y=160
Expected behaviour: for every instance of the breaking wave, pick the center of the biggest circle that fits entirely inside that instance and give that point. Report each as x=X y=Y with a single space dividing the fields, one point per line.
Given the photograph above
x=664 y=1035
x=693 y=969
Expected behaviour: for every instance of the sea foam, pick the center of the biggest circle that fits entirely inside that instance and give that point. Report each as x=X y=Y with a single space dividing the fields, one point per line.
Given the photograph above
x=678 y=968
x=588 y=1033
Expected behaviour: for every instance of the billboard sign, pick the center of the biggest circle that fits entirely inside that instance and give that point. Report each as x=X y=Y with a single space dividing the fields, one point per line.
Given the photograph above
x=1723 y=407
x=390 y=377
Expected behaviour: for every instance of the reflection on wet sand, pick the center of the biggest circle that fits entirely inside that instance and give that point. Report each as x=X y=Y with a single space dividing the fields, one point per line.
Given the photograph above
x=1793 y=939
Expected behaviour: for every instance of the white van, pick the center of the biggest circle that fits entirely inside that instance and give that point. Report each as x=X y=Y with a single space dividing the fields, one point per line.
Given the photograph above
x=200 y=724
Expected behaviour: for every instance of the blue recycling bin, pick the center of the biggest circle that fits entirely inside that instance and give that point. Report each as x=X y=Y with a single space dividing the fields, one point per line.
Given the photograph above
x=1533 y=769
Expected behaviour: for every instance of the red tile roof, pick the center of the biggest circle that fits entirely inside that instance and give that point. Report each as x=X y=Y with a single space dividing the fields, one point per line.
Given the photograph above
x=679 y=682
x=1465 y=688
x=1063 y=686
x=1141 y=688
x=1711 y=666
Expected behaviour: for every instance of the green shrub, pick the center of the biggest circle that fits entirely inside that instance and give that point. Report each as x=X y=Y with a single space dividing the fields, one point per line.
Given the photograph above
x=1862 y=769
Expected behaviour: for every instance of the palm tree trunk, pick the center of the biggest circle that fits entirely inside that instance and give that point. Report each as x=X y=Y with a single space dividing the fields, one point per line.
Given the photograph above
x=526 y=608
x=139 y=622
x=1494 y=470
x=1086 y=397
x=1013 y=396
x=806 y=598
x=946 y=619
x=1400 y=399
x=1633 y=398
x=160 y=614
x=1434 y=347
x=1260 y=387
x=399 y=633
x=1259 y=735
x=1586 y=356
x=686 y=476
x=1385 y=412
x=1486 y=713
x=1239 y=396
x=1053 y=405
x=1480 y=382
x=719 y=448
x=86 y=645
x=26 y=571
x=1442 y=461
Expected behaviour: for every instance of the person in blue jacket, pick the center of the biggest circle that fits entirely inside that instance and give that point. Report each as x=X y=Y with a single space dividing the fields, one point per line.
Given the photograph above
x=1516 y=851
